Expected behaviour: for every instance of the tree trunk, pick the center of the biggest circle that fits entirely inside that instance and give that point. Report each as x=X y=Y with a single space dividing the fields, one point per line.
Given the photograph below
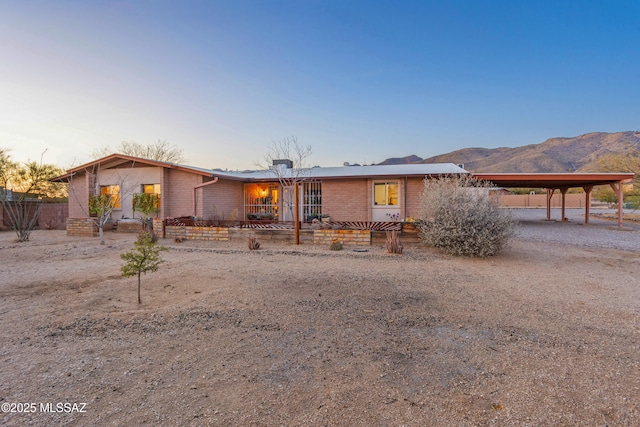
x=139 y=300
x=101 y=230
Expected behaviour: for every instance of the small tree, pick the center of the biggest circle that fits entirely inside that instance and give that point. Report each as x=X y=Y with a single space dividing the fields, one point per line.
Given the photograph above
x=459 y=215
x=144 y=257
x=146 y=204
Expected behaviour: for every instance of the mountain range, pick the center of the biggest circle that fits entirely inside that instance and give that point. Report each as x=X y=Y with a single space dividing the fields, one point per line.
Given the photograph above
x=555 y=155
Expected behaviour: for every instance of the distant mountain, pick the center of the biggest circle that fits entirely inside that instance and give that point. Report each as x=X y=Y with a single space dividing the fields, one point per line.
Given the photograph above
x=558 y=155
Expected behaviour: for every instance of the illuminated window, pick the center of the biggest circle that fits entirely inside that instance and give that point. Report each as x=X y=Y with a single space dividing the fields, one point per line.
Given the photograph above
x=112 y=191
x=155 y=190
x=385 y=194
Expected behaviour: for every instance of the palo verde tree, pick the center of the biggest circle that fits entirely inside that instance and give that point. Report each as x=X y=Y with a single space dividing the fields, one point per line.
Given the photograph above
x=144 y=257
x=289 y=149
x=160 y=150
x=460 y=215
x=24 y=187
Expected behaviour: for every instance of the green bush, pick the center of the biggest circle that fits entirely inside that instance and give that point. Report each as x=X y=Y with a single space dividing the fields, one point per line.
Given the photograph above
x=460 y=215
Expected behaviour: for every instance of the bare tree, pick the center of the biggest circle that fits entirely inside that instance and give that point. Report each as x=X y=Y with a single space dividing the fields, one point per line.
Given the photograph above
x=103 y=199
x=160 y=150
x=24 y=189
x=290 y=175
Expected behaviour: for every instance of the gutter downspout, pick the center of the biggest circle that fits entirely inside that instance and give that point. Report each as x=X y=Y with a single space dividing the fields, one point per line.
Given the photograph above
x=193 y=205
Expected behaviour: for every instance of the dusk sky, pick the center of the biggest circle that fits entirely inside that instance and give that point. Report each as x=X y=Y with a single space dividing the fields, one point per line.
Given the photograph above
x=359 y=81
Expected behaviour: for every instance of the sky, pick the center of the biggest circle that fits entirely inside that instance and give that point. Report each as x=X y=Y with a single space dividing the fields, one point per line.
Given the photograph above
x=358 y=81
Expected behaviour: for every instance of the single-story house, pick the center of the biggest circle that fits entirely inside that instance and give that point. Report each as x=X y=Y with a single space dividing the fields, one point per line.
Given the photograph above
x=348 y=193
x=372 y=194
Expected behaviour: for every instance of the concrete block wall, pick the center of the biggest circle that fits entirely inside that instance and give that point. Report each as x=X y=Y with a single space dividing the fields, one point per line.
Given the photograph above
x=83 y=227
x=347 y=237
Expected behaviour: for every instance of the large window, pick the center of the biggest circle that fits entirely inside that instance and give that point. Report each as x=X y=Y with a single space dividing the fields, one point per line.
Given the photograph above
x=385 y=194
x=112 y=191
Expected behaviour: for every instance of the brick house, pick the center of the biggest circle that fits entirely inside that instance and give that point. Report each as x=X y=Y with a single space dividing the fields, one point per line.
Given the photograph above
x=348 y=193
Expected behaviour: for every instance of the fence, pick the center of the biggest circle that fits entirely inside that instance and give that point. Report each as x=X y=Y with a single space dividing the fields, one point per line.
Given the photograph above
x=53 y=216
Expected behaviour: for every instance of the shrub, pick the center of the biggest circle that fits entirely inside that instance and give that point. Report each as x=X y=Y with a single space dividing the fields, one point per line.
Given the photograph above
x=459 y=215
x=393 y=243
x=336 y=245
x=253 y=243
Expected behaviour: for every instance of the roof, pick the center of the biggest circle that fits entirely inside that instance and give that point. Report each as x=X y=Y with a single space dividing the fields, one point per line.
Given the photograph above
x=341 y=172
x=120 y=160
x=553 y=180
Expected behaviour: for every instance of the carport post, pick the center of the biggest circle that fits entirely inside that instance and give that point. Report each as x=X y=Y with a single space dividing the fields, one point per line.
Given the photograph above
x=550 y=192
x=563 y=190
x=617 y=188
x=587 y=202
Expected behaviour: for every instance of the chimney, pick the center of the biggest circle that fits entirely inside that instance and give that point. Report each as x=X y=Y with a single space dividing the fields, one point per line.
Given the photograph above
x=286 y=162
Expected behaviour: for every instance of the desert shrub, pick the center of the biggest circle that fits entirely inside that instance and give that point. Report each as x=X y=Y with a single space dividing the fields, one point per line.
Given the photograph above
x=253 y=243
x=336 y=245
x=393 y=243
x=459 y=215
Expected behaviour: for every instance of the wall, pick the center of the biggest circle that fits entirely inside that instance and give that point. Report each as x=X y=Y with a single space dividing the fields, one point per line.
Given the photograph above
x=83 y=227
x=79 y=195
x=178 y=193
x=413 y=192
x=221 y=199
x=540 y=200
x=130 y=181
x=346 y=237
x=53 y=216
x=347 y=199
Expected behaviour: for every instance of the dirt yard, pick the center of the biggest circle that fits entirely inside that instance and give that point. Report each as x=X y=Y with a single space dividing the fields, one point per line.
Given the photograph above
x=543 y=335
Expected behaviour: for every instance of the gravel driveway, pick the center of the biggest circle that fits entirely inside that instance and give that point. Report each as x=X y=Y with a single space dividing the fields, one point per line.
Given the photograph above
x=597 y=234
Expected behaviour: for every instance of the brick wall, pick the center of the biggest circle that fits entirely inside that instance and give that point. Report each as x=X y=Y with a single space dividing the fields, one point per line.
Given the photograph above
x=346 y=200
x=412 y=194
x=129 y=226
x=347 y=237
x=178 y=200
x=78 y=196
x=221 y=199
x=81 y=227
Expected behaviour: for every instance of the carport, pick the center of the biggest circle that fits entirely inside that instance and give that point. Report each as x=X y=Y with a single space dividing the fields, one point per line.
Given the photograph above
x=563 y=182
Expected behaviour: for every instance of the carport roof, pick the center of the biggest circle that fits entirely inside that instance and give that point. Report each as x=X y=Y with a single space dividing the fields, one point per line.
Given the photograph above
x=554 y=180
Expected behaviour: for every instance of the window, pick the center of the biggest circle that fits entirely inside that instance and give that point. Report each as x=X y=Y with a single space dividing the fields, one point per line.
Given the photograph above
x=153 y=189
x=112 y=191
x=385 y=194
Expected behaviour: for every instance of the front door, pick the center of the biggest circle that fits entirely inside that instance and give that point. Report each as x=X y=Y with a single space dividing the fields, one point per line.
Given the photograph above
x=386 y=201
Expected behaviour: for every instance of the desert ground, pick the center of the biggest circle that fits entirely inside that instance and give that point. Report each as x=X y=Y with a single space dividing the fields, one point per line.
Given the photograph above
x=545 y=334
